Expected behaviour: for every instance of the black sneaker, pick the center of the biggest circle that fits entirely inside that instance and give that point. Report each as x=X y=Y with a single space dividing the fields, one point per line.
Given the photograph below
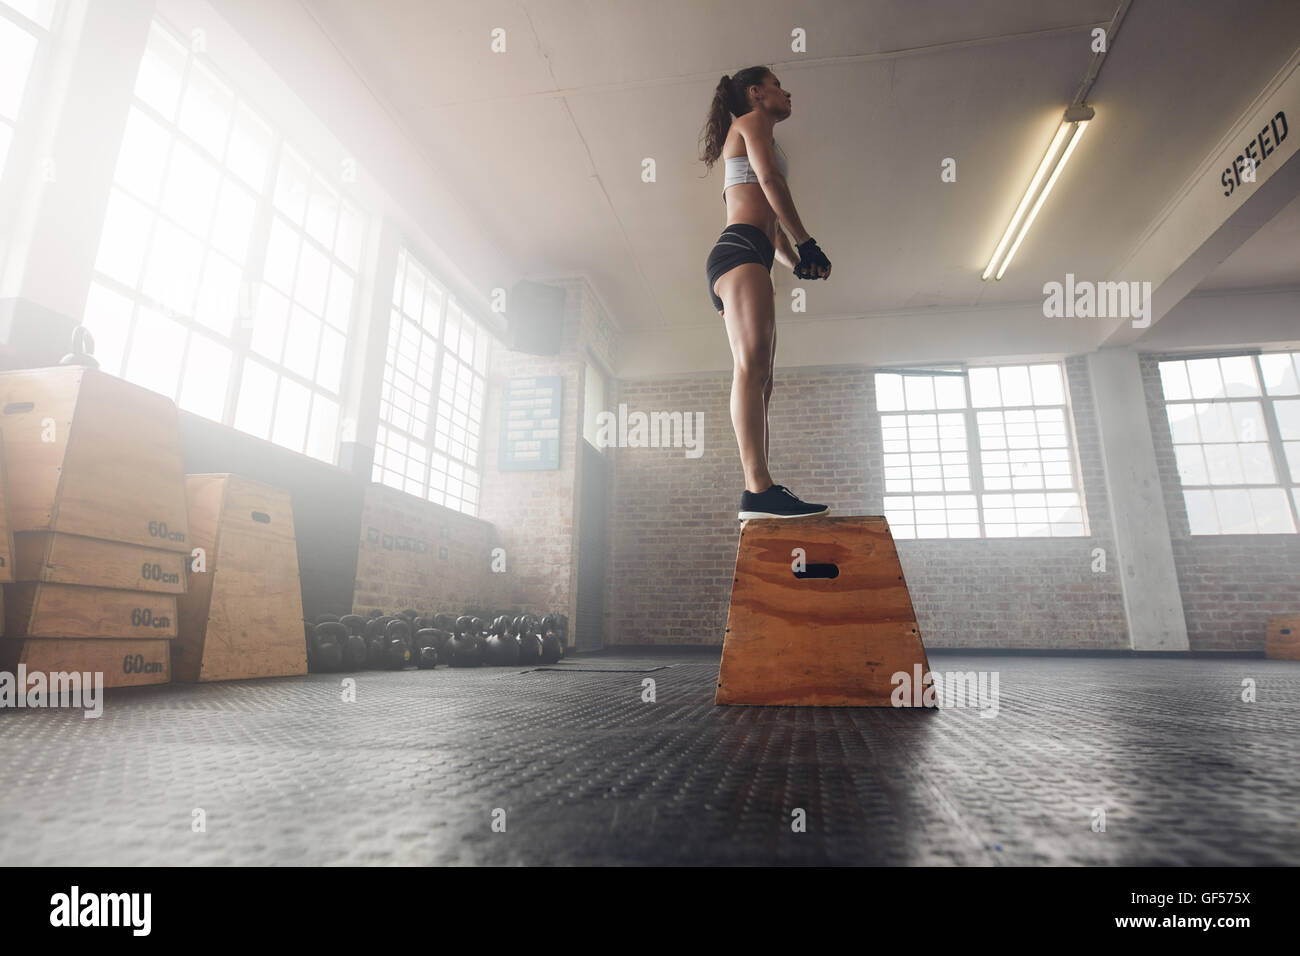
x=777 y=502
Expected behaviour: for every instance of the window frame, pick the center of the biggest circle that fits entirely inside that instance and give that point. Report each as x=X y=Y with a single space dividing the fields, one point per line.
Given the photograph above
x=408 y=258
x=43 y=36
x=1284 y=480
x=253 y=284
x=975 y=452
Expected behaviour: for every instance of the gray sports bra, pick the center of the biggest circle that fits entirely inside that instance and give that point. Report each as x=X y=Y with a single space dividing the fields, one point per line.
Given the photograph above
x=739 y=170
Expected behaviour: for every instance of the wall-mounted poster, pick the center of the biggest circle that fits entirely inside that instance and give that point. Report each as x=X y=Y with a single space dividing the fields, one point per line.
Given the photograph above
x=530 y=424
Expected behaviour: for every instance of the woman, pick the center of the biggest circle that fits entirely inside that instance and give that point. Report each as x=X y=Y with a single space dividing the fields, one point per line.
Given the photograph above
x=740 y=266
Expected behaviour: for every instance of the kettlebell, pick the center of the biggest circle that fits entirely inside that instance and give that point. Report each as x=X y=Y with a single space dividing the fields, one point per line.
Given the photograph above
x=530 y=648
x=397 y=644
x=464 y=649
x=551 y=650
x=83 y=349
x=426 y=648
x=330 y=637
x=355 y=623
x=500 y=651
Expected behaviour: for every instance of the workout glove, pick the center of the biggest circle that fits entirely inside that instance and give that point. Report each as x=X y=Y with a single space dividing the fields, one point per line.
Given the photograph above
x=810 y=257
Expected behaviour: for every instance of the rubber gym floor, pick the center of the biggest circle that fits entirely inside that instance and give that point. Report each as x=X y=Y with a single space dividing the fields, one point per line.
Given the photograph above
x=587 y=772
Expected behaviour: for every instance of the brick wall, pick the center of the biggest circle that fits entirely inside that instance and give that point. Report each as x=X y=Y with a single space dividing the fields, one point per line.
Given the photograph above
x=1232 y=583
x=415 y=554
x=672 y=531
x=533 y=512
x=587 y=325
x=532 y=515
x=673 y=528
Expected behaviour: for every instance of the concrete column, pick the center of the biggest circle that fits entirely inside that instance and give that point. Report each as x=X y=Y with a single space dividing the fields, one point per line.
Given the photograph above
x=1144 y=555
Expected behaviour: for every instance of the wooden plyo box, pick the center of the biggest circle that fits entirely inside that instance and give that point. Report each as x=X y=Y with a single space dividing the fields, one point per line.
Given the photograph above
x=73 y=611
x=241 y=618
x=1282 y=639
x=124 y=663
x=72 y=559
x=834 y=636
x=90 y=454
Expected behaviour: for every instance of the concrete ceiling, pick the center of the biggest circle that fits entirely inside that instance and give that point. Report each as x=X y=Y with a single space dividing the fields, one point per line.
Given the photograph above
x=545 y=142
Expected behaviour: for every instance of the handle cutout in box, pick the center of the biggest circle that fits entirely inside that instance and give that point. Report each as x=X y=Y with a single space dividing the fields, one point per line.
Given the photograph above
x=818 y=571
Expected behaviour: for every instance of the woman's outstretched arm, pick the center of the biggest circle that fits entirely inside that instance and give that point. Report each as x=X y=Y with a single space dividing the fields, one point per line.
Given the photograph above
x=785 y=252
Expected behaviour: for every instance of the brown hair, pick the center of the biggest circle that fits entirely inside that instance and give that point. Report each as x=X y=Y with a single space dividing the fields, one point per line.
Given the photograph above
x=730 y=98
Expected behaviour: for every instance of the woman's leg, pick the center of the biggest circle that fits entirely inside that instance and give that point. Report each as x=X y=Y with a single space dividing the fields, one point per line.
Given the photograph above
x=767 y=395
x=749 y=312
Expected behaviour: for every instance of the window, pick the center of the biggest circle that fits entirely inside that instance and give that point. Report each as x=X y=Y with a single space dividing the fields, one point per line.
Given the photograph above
x=431 y=407
x=1233 y=419
x=302 y=314
x=24 y=24
x=227 y=266
x=1011 y=420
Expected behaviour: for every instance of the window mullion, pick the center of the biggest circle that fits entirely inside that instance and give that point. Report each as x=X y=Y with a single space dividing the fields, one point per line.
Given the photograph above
x=25 y=24
x=1277 y=450
x=435 y=391
x=254 y=268
x=975 y=455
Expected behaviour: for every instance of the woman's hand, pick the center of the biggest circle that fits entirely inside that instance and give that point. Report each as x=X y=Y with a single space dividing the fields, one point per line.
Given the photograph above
x=813 y=263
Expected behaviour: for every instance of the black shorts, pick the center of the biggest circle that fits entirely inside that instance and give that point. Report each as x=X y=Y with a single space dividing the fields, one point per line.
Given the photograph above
x=738 y=244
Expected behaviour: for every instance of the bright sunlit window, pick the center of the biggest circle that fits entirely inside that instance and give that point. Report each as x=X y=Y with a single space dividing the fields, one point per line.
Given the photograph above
x=227 y=267
x=1235 y=425
x=431 y=410
x=24 y=25
x=1012 y=421
x=291 y=383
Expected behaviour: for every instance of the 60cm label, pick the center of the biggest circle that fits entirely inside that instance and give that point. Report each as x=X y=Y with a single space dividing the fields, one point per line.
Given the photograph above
x=158 y=529
x=145 y=617
x=136 y=664
x=155 y=572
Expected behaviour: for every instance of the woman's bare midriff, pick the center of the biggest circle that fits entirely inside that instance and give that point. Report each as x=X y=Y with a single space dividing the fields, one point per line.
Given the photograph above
x=747 y=203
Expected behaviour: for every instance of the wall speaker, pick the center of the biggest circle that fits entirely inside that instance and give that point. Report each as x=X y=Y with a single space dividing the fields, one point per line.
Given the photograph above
x=535 y=318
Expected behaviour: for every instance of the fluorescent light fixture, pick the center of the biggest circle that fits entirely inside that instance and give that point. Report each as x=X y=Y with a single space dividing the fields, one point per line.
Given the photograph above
x=1054 y=160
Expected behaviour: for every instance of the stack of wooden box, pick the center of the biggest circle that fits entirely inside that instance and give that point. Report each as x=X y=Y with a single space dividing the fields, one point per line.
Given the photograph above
x=96 y=507
x=242 y=617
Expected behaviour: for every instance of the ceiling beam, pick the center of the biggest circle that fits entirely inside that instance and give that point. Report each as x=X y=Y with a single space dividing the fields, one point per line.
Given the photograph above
x=1211 y=216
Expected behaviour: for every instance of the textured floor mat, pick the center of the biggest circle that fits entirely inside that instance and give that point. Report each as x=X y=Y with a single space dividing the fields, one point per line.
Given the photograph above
x=581 y=766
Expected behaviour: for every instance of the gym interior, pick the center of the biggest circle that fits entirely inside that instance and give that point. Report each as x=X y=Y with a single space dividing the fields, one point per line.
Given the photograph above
x=370 y=486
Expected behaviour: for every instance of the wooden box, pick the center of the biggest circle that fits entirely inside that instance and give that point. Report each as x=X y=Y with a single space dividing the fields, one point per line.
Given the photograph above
x=90 y=454
x=71 y=610
x=832 y=634
x=242 y=618
x=1282 y=639
x=124 y=663
x=6 y=536
x=72 y=559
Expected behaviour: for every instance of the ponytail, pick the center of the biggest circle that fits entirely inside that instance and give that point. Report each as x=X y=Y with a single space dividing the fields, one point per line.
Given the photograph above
x=730 y=98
